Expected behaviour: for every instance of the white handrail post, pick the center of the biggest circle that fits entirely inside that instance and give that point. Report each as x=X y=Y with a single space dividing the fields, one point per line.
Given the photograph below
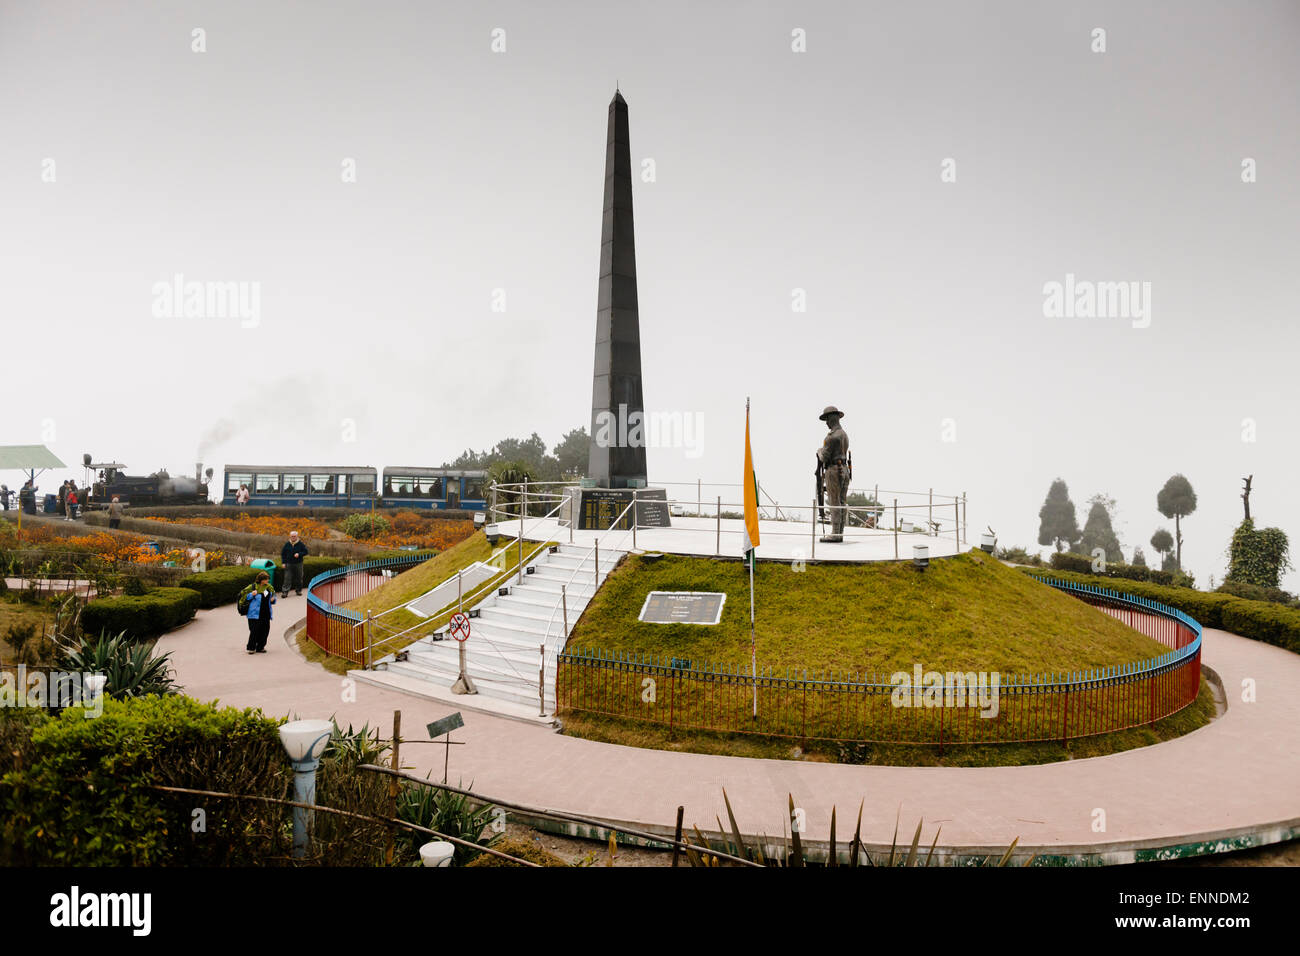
x=699 y=497
x=541 y=681
x=596 y=567
x=956 y=524
x=814 y=529
x=369 y=656
x=460 y=593
x=564 y=602
x=964 y=536
x=895 y=529
x=718 y=550
x=930 y=518
x=635 y=509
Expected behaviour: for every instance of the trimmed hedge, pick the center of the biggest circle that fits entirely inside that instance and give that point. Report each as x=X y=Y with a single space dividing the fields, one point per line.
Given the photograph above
x=80 y=792
x=1082 y=564
x=1258 y=620
x=141 y=616
x=222 y=585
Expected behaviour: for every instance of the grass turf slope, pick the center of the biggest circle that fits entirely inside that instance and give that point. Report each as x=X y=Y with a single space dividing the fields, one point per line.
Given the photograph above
x=968 y=612
x=964 y=613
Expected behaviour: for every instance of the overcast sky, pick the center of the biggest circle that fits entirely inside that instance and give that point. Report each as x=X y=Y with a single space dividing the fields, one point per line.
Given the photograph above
x=127 y=157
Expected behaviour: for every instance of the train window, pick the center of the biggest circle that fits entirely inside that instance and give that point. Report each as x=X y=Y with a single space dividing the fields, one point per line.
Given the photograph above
x=322 y=484
x=430 y=488
x=236 y=478
x=295 y=484
x=474 y=488
x=343 y=485
x=363 y=484
x=267 y=485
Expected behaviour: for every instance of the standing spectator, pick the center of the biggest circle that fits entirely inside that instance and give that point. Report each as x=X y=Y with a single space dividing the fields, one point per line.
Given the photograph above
x=71 y=500
x=27 y=497
x=291 y=556
x=241 y=496
x=63 y=499
x=4 y=497
x=260 y=596
x=115 y=512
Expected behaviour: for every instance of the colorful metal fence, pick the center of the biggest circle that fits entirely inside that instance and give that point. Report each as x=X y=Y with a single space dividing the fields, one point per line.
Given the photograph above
x=939 y=709
x=331 y=627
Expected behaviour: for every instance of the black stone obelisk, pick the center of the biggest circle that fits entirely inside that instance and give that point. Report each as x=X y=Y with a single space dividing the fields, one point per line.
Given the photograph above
x=617 y=455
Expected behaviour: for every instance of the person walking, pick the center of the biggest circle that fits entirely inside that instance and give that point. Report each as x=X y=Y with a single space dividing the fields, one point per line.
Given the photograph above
x=115 y=512
x=260 y=596
x=291 y=556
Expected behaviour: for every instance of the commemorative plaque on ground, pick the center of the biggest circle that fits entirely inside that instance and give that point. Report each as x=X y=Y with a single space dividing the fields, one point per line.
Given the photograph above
x=683 y=607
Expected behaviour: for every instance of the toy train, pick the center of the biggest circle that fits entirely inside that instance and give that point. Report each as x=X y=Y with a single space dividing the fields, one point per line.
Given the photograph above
x=160 y=488
x=289 y=486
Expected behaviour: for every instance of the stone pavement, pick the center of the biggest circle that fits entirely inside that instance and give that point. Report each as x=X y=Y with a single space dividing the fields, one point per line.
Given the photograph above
x=1233 y=783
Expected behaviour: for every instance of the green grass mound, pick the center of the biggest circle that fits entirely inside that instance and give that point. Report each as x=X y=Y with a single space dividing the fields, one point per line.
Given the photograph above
x=964 y=613
x=522 y=849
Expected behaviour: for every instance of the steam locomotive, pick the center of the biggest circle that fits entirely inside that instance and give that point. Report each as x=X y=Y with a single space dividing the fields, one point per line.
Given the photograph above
x=160 y=488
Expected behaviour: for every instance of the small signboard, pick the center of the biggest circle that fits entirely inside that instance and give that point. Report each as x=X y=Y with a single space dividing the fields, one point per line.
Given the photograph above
x=446 y=725
x=460 y=626
x=683 y=607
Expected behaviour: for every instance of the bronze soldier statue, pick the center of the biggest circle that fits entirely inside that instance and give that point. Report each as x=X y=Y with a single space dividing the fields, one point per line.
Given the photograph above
x=834 y=471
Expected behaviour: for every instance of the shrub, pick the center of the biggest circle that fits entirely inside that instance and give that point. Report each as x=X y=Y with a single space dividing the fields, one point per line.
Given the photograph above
x=361 y=526
x=141 y=616
x=1264 y=621
x=1258 y=620
x=1082 y=564
x=220 y=585
x=83 y=792
x=134 y=586
x=1254 y=592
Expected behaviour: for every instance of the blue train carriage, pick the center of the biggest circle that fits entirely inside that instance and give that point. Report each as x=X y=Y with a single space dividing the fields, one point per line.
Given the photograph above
x=439 y=488
x=292 y=486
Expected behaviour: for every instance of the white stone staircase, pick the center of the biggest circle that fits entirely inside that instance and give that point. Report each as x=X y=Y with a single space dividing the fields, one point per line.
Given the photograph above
x=503 y=653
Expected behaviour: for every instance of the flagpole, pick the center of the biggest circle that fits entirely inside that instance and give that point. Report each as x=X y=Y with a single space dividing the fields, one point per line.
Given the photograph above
x=753 y=559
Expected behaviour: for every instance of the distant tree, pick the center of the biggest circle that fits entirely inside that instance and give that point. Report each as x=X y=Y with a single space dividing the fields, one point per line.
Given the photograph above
x=1163 y=542
x=865 y=508
x=1177 y=500
x=1057 y=523
x=1098 y=531
x=571 y=454
x=1139 y=559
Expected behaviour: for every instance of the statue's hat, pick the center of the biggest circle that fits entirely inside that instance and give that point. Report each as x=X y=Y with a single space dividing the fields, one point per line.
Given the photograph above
x=829 y=411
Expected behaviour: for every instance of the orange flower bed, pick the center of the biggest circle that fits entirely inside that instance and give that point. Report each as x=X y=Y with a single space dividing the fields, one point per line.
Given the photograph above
x=258 y=524
x=409 y=529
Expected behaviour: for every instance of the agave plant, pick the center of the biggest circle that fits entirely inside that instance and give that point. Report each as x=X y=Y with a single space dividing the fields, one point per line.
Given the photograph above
x=131 y=668
x=697 y=854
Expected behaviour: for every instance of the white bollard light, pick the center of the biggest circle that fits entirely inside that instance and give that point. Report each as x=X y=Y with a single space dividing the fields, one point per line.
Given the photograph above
x=437 y=853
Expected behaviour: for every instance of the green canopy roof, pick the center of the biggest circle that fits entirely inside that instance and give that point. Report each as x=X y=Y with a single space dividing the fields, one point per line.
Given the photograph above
x=28 y=458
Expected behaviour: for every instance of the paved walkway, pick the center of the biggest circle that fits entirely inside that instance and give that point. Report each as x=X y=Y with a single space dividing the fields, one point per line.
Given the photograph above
x=1233 y=783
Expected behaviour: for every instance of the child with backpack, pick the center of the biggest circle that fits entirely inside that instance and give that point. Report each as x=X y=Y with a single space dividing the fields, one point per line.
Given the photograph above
x=255 y=602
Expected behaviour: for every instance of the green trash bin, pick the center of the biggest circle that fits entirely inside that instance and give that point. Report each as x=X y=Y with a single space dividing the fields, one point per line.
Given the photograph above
x=267 y=565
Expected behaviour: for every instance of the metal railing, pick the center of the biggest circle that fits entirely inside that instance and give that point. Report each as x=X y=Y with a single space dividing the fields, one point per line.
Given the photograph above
x=849 y=708
x=335 y=629
x=922 y=513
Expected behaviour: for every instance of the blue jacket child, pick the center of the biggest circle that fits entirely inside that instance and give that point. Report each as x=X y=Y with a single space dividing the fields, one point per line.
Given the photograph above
x=260 y=596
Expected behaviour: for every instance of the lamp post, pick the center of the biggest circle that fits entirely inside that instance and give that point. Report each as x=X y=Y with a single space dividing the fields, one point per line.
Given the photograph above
x=437 y=853
x=304 y=741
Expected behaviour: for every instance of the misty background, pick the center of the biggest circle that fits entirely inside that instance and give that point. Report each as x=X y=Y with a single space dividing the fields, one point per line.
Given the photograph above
x=479 y=174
